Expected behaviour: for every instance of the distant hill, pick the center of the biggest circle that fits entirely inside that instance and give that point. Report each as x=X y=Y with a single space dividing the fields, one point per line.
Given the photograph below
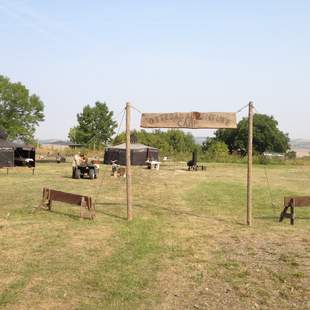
x=53 y=141
x=300 y=144
x=296 y=144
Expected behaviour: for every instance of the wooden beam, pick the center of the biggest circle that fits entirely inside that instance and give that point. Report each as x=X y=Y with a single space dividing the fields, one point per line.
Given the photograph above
x=213 y=120
x=250 y=165
x=128 y=164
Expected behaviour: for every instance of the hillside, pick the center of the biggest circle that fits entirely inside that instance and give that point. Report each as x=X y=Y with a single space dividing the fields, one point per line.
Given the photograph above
x=300 y=144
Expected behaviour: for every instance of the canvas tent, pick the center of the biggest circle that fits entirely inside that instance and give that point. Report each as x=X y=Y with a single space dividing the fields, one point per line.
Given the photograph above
x=24 y=155
x=139 y=154
x=15 y=154
x=6 y=153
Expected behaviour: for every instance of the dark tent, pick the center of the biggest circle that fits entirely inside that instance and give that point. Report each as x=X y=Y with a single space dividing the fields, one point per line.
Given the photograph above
x=24 y=155
x=6 y=153
x=14 y=154
x=139 y=154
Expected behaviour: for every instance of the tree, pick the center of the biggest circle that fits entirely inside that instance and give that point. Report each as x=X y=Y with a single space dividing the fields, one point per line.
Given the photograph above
x=215 y=150
x=168 y=142
x=95 y=125
x=20 y=112
x=266 y=135
x=207 y=143
x=180 y=142
x=218 y=150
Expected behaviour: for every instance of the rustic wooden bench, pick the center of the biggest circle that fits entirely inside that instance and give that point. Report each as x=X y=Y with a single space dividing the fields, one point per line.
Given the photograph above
x=290 y=203
x=85 y=202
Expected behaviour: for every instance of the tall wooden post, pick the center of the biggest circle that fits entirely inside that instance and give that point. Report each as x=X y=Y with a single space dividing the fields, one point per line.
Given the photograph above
x=250 y=164
x=128 y=163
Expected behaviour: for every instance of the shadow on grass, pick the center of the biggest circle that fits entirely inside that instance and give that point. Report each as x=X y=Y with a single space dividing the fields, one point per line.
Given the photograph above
x=70 y=215
x=109 y=204
x=70 y=177
x=185 y=213
x=267 y=217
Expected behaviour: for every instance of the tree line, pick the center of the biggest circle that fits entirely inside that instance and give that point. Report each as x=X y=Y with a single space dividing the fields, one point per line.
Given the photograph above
x=21 y=112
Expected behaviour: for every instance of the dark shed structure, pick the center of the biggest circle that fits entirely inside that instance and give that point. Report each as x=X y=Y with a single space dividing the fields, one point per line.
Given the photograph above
x=140 y=153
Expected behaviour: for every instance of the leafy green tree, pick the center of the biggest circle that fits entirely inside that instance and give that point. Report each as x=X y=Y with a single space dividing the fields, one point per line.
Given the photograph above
x=3 y=134
x=266 y=135
x=20 y=112
x=217 y=150
x=179 y=141
x=207 y=143
x=95 y=125
x=171 y=141
x=119 y=139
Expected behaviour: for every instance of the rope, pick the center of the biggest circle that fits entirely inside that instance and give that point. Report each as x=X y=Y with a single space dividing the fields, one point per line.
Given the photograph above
x=256 y=110
x=119 y=113
x=88 y=142
x=120 y=124
x=269 y=188
x=136 y=109
x=242 y=108
x=99 y=186
x=97 y=190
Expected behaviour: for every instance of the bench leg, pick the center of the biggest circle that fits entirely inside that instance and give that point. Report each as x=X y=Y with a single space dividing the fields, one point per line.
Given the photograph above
x=283 y=213
x=82 y=207
x=46 y=202
x=49 y=205
x=87 y=205
x=292 y=215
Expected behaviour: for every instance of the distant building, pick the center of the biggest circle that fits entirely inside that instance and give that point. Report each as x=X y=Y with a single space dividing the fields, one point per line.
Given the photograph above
x=60 y=145
x=274 y=155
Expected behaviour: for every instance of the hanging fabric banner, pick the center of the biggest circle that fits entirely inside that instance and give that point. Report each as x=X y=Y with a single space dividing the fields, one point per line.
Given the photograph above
x=192 y=120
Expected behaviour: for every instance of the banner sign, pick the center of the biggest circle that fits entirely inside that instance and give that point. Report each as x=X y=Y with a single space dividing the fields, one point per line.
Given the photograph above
x=192 y=120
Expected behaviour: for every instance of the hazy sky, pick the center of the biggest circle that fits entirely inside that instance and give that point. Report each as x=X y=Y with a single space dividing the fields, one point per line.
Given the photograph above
x=163 y=56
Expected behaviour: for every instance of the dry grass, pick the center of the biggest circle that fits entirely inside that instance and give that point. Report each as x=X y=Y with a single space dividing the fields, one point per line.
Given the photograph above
x=187 y=248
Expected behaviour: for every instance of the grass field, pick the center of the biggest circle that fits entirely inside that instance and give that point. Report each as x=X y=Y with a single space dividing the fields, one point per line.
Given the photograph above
x=187 y=248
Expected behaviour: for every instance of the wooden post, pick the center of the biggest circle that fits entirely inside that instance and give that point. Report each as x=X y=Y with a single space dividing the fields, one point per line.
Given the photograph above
x=128 y=164
x=250 y=164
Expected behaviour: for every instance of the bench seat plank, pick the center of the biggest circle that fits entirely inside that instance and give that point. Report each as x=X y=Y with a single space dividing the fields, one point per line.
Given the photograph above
x=298 y=201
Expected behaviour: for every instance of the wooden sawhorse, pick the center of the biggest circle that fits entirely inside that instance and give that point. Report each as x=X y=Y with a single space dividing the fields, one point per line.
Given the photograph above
x=85 y=202
x=290 y=203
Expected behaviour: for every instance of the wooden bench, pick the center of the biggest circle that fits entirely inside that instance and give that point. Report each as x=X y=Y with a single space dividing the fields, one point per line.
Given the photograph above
x=85 y=202
x=290 y=203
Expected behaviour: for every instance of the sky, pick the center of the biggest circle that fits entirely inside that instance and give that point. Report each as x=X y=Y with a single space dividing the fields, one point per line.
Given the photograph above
x=162 y=56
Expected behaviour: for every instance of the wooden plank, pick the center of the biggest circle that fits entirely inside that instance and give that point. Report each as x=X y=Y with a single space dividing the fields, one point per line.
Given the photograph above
x=299 y=201
x=212 y=120
x=66 y=197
